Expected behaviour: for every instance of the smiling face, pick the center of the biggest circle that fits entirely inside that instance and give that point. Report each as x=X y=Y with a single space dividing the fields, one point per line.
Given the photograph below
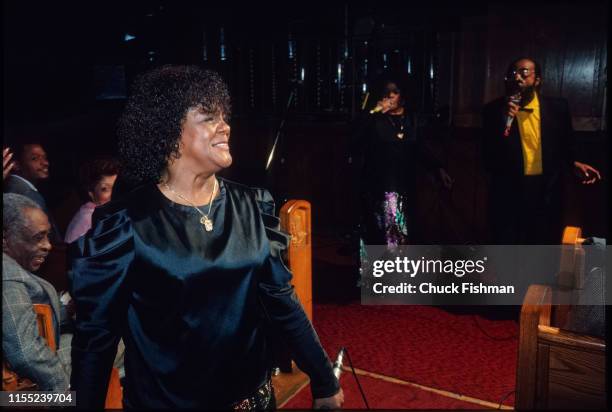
x=33 y=164
x=204 y=143
x=103 y=190
x=30 y=245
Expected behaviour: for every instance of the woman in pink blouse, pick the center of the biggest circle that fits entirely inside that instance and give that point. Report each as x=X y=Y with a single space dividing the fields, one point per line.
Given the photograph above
x=98 y=178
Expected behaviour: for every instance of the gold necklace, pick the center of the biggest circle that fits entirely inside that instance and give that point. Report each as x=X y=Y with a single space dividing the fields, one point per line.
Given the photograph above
x=400 y=134
x=205 y=220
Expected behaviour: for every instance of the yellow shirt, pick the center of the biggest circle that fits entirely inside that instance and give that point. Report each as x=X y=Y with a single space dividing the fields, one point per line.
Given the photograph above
x=529 y=129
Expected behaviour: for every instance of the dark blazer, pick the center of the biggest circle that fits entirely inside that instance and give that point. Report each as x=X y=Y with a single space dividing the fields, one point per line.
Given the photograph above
x=16 y=185
x=503 y=156
x=526 y=210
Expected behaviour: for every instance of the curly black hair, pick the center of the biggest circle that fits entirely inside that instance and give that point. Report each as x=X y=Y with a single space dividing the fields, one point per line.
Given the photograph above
x=149 y=129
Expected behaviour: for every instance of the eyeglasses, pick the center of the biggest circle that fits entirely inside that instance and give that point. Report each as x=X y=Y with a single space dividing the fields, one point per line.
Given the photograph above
x=523 y=72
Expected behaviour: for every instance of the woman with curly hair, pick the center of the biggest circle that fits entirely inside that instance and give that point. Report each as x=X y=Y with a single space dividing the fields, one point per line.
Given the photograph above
x=187 y=267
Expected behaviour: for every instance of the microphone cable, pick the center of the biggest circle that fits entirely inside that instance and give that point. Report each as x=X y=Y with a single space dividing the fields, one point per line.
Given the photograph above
x=506 y=396
x=365 y=400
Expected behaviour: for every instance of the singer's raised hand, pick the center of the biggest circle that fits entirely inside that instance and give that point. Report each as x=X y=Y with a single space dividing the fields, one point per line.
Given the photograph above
x=588 y=173
x=332 y=402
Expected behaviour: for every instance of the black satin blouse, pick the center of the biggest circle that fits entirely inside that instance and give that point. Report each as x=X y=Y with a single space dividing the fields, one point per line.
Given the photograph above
x=193 y=307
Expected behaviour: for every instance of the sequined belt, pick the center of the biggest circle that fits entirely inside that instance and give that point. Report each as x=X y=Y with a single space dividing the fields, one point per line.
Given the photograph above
x=261 y=400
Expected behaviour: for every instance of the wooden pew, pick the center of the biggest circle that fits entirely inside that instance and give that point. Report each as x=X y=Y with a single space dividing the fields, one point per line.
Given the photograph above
x=44 y=318
x=12 y=382
x=114 y=394
x=558 y=368
x=295 y=220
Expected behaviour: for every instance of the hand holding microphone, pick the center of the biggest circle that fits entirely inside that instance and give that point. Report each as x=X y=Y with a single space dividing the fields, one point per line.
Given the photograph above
x=335 y=401
x=338 y=364
x=513 y=108
x=376 y=109
x=383 y=106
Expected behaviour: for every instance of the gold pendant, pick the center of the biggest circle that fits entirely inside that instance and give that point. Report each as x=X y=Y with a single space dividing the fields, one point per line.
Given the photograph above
x=400 y=135
x=207 y=223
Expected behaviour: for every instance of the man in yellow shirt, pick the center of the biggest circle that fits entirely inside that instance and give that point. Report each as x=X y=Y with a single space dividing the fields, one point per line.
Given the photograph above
x=528 y=145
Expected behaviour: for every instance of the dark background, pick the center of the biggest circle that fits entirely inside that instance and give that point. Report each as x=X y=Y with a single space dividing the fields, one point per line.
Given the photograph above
x=67 y=68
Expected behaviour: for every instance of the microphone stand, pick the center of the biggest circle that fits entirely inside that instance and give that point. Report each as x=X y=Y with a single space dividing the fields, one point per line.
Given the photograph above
x=280 y=129
x=277 y=141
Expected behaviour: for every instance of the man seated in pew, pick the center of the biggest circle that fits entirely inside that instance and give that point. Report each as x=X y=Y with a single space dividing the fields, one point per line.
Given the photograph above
x=25 y=245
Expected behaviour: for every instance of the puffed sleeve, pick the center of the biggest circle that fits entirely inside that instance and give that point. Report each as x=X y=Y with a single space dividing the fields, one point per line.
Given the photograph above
x=285 y=311
x=98 y=284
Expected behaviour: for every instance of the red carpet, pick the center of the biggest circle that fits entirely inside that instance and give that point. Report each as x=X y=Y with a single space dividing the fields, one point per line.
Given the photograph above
x=383 y=395
x=463 y=354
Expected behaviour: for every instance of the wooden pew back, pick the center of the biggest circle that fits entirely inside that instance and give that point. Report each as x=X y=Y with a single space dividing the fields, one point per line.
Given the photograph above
x=44 y=317
x=295 y=218
x=557 y=368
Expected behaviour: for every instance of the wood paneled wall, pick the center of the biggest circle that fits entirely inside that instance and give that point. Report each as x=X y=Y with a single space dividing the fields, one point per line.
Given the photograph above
x=568 y=39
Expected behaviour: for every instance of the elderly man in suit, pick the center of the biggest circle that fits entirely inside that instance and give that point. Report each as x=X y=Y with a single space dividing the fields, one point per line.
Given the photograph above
x=527 y=158
x=25 y=244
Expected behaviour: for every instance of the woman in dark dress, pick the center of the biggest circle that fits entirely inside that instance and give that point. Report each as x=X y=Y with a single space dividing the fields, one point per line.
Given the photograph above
x=391 y=149
x=187 y=267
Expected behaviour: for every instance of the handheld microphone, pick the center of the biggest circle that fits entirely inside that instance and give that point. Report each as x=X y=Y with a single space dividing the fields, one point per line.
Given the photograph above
x=376 y=109
x=365 y=101
x=516 y=99
x=337 y=369
x=338 y=363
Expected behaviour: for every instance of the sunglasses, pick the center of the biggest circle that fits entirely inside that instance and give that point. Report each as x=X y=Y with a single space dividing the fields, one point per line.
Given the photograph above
x=524 y=73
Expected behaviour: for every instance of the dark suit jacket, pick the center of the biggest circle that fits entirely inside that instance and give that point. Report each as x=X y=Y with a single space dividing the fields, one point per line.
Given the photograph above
x=503 y=156
x=16 y=185
x=524 y=210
